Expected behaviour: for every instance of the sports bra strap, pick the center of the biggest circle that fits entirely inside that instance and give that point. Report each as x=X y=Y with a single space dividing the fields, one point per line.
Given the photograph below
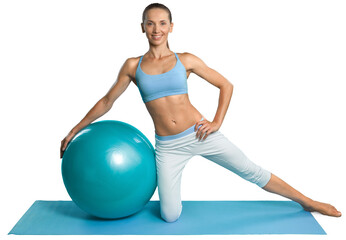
x=140 y=60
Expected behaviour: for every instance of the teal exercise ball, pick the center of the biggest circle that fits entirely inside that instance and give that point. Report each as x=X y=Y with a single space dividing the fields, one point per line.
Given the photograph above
x=109 y=169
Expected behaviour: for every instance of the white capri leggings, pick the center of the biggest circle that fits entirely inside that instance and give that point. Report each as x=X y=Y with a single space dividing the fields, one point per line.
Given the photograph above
x=173 y=152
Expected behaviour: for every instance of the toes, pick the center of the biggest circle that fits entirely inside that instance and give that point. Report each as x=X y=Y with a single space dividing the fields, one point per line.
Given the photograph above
x=337 y=213
x=334 y=211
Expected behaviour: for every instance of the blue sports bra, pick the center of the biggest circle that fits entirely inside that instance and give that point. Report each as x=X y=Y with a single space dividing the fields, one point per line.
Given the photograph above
x=160 y=85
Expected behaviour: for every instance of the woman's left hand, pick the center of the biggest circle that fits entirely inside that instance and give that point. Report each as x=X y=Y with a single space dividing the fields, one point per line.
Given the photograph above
x=206 y=128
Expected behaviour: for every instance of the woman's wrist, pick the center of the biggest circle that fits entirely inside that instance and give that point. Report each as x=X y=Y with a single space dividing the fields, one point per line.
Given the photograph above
x=82 y=124
x=74 y=130
x=217 y=124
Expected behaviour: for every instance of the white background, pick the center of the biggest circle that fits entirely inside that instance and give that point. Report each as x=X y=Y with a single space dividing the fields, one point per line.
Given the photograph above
x=286 y=60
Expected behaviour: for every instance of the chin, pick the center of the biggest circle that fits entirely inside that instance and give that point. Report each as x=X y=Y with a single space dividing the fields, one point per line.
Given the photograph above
x=155 y=43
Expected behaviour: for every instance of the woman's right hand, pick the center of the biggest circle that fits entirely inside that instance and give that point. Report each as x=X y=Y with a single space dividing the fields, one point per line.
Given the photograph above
x=65 y=142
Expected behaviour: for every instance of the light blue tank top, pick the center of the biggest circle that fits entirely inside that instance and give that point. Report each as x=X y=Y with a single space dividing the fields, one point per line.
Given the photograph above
x=156 y=86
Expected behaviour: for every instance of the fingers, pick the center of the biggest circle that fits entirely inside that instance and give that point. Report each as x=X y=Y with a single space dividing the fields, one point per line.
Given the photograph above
x=65 y=142
x=203 y=131
x=206 y=134
x=62 y=148
x=199 y=123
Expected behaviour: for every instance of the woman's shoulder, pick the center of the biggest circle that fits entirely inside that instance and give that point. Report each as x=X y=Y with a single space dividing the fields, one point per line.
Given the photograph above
x=129 y=66
x=185 y=55
x=131 y=63
x=188 y=59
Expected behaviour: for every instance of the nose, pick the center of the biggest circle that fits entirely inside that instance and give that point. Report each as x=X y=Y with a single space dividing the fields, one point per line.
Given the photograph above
x=155 y=29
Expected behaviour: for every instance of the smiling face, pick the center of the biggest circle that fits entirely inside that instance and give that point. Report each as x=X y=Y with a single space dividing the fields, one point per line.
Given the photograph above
x=156 y=25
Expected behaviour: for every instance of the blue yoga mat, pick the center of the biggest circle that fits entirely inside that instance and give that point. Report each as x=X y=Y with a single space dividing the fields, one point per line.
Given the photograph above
x=197 y=218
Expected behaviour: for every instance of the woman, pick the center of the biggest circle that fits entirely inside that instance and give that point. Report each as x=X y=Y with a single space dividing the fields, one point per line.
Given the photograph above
x=181 y=131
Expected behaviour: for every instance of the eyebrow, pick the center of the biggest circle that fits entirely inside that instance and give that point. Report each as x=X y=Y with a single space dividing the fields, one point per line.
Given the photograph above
x=153 y=21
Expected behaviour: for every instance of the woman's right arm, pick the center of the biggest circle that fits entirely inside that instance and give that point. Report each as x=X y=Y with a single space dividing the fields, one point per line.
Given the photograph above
x=103 y=105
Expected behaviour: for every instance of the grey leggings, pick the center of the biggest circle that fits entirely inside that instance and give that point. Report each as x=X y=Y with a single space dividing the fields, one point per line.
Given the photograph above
x=173 y=154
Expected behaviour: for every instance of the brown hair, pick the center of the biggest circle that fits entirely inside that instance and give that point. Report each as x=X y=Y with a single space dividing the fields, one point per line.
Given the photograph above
x=157 y=5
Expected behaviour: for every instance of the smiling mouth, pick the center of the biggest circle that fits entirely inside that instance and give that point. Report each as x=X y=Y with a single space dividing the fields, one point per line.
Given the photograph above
x=156 y=37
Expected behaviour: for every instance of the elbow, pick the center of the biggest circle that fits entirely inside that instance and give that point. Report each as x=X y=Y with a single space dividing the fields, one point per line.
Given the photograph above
x=228 y=86
x=106 y=102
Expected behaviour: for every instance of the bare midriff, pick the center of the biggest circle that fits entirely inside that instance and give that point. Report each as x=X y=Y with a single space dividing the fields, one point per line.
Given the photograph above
x=173 y=114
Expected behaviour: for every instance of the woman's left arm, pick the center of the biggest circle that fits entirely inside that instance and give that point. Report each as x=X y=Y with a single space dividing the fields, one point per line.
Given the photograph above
x=197 y=66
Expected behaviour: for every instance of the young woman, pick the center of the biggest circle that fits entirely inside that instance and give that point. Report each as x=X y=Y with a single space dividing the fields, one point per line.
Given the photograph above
x=181 y=131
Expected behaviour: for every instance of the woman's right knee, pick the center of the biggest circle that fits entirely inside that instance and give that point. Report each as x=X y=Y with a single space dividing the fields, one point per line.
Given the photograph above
x=170 y=214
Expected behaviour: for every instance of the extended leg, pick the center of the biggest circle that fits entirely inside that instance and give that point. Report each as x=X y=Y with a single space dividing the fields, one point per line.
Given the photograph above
x=223 y=152
x=278 y=186
x=220 y=150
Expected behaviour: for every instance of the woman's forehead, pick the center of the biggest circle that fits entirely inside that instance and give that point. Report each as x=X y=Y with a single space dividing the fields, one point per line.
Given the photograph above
x=157 y=14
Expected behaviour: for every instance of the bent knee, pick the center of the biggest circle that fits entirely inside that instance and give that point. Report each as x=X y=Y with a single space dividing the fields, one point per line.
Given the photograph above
x=170 y=215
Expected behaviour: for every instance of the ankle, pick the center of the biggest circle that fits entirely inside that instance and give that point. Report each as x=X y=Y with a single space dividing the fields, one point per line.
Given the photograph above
x=307 y=203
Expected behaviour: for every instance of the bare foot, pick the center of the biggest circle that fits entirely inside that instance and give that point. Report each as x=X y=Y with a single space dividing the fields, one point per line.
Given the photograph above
x=323 y=208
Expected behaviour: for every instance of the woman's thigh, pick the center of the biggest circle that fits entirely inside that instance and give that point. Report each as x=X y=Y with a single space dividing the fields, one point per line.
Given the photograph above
x=222 y=151
x=170 y=165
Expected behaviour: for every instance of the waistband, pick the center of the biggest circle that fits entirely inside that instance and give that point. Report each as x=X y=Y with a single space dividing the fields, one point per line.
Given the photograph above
x=179 y=135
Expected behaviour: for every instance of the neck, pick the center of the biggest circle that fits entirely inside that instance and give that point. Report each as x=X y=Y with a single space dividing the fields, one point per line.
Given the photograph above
x=158 y=52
